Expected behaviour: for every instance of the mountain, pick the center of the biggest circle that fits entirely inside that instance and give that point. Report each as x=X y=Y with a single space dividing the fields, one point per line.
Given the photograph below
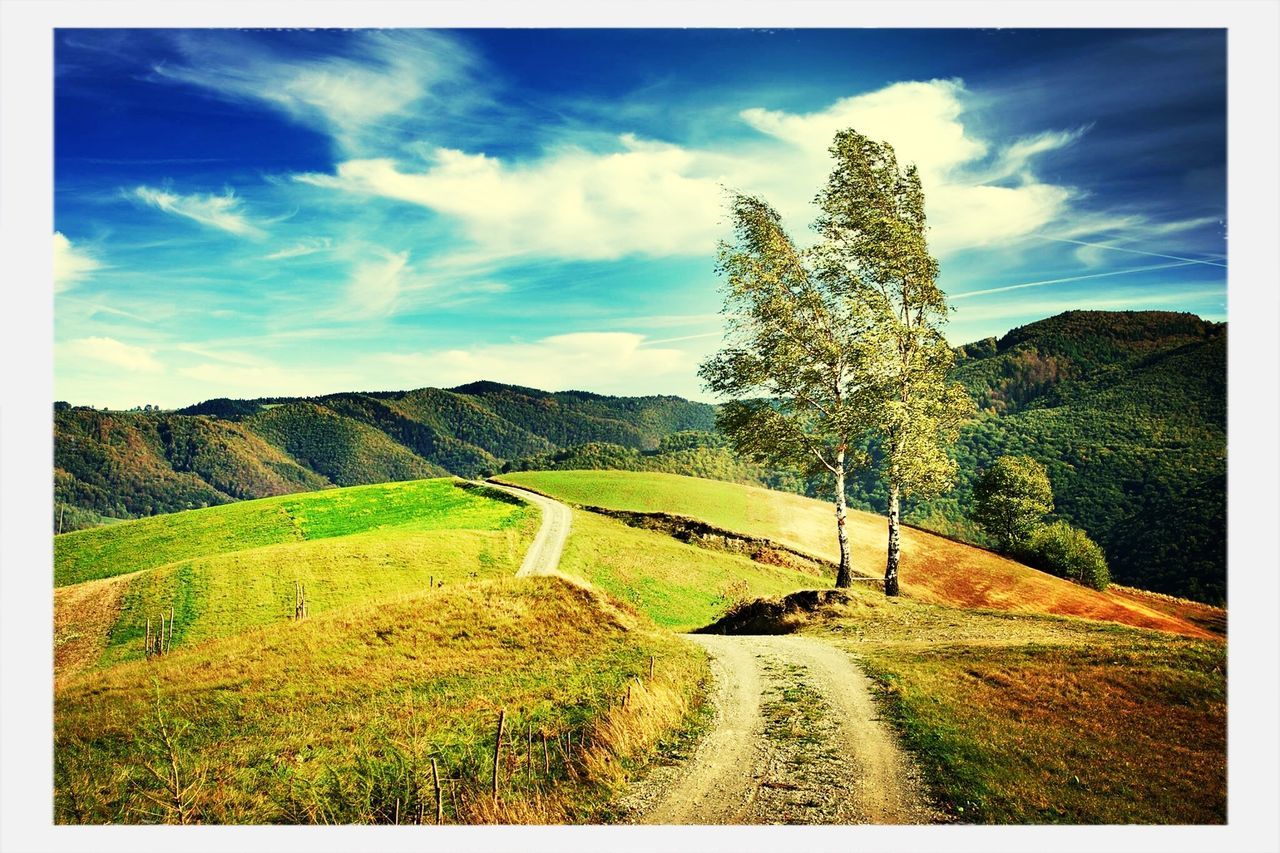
x=112 y=465
x=1127 y=410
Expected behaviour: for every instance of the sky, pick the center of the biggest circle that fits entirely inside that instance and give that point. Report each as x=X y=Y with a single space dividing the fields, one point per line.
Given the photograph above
x=292 y=213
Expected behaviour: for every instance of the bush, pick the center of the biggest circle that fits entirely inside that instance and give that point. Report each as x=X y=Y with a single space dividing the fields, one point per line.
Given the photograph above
x=1067 y=552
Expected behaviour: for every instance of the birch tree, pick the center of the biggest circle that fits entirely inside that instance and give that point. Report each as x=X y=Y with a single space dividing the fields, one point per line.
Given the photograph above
x=874 y=251
x=791 y=359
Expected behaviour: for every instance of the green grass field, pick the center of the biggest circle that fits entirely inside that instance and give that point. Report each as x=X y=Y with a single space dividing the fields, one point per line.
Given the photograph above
x=679 y=586
x=353 y=546
x=162 y=539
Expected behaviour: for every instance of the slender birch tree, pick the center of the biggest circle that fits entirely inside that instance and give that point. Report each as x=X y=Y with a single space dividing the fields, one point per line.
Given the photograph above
x=873 y=249
x=791 y=360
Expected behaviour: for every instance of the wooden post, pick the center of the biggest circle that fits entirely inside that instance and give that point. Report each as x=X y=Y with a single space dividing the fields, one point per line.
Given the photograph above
x=160 y=639
x=435 y=774
x=146 y=646
x=546 y=755
x=171 y=612
x=651 y=662
x=497 y=749
x=61 y=510
x=529 y=752
x=396 y=819
x=627 y=699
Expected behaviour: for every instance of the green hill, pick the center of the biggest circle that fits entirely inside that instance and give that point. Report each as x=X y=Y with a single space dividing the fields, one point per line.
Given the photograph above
x=1126 y=409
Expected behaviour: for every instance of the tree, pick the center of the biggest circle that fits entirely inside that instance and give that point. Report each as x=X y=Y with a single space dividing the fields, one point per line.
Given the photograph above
x=791 y=359
x=1068 y=552
x=874 y=251
x=1011 y=498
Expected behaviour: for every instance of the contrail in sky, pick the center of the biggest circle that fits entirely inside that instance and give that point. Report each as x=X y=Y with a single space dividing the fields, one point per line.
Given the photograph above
x=1070 y=278
x=1132 y=251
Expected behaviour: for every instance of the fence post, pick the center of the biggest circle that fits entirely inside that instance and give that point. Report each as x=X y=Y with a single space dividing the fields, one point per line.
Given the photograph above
x=435 y=774
x=497 y=749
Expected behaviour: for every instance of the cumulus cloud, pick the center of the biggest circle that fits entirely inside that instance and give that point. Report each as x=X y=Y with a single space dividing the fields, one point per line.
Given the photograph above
x=641 y=199
x=606 y=362
x=651 y=198
x=70 y=263
x=109 y=352
x=223 y=212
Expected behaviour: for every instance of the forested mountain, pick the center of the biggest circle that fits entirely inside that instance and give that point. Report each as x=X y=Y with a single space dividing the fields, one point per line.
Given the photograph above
x=126 y=464
x=1127 y=410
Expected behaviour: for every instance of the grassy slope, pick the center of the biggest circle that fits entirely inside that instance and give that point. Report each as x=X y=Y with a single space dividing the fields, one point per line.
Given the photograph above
x=158 y=540
x=1017 y=717
x=358 y=545
x=679 y=586
x=1035 y=719
x=934 y=569
x=336 y=718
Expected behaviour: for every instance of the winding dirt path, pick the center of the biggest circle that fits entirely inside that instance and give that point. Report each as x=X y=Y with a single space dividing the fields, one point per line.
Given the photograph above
x=543 y=556
x=796 y=739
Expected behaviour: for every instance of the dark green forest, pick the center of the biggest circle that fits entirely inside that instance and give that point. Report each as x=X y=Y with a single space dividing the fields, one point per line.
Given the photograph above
x=1127 y=411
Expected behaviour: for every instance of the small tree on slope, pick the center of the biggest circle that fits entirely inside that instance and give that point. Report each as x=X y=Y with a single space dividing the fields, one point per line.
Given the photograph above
x=1011 y=499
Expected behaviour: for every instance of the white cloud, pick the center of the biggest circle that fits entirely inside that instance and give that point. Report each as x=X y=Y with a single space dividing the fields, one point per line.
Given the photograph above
x=924 y=121
x=108 y=352
x=374 y=286
x=215 y=211
x=652 y=198
x=641 y=199
x=605 y=362
x=385 y=74
x=71 y=265
x=309 y=246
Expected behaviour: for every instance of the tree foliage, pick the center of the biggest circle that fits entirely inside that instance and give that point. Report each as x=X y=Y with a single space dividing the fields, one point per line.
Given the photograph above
x=1068 y=552
x=875 y=248
x=791 y=362
x=1011 y=498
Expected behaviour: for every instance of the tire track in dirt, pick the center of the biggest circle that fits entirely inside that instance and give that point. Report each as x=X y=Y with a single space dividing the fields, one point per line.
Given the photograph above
x=796 y=739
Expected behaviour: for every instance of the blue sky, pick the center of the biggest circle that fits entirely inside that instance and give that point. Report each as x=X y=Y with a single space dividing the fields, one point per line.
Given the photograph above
x=260 y=213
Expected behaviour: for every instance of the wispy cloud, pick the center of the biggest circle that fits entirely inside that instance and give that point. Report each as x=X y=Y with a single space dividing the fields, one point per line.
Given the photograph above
x=374 y=286
x=1065 y=279
x=309 y=246
x=380 y=75
x=224 y=212
x=620 y=362
x=71 y=264
x=109 y=352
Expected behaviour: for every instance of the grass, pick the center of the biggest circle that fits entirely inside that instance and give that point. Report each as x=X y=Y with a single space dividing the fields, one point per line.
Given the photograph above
x=159 y=540
x=1134 y=732
x=1021 y=719
x=678 y=586
x=336 y=719
x=934 y=569
x=432 y=532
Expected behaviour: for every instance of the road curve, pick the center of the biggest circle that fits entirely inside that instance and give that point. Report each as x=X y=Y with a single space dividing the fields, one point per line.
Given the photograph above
x=543 y=556
x=796 y=739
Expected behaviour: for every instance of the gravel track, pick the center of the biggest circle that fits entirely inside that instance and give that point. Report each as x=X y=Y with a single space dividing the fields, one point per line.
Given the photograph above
x=796 y=739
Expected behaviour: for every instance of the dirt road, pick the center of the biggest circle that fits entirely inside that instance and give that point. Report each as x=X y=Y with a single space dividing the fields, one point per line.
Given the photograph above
x=543 y=557
x=796 y=739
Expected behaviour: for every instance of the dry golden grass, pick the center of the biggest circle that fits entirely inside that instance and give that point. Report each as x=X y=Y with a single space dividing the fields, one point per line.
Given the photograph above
x=82 y=618
x=336 y=719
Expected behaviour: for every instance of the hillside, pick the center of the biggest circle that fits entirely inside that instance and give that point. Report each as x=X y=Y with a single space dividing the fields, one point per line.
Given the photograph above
x=113 y=465
x=934 y=570
x=1127 y=410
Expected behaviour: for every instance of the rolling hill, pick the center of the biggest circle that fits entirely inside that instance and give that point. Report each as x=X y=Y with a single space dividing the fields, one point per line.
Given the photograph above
x=934 y=570
x=1127 y=410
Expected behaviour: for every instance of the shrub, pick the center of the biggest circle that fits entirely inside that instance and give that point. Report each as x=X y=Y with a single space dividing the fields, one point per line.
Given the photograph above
x=1067 y=552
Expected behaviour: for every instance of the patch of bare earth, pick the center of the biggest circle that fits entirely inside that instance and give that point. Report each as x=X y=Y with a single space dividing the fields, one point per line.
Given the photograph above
x=82 y=618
